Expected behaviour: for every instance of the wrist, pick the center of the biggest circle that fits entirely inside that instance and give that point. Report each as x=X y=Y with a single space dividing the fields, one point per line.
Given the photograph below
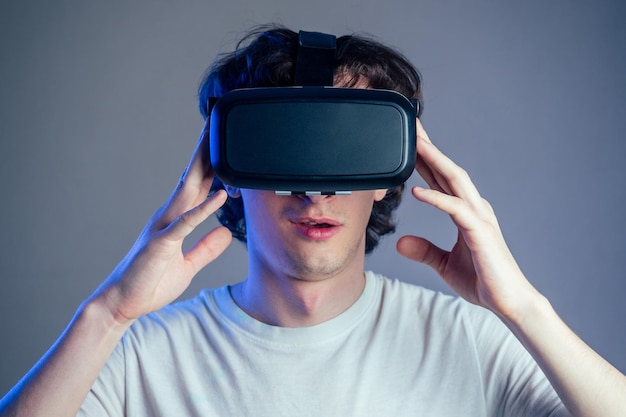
x=96 y=311
x=532 y=307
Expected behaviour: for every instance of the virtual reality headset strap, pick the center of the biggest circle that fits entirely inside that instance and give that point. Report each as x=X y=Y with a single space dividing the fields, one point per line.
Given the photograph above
x=315 y=63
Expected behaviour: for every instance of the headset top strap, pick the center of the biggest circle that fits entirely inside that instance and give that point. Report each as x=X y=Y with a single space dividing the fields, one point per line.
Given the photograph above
x=315 y=65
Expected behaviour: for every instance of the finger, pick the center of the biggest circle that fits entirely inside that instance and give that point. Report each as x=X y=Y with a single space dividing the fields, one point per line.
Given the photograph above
x=185 y=223
x=440 y=180
x=422 y=251
x=419 y=129
x=432 y=178
x=456 y=179
x=195 y=182
x=208 y=248
x=200 y=164
x=428 y=175
x=460 y=211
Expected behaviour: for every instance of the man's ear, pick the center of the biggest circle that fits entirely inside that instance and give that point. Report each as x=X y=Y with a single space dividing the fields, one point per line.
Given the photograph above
x=380 y=194
x=233 y=192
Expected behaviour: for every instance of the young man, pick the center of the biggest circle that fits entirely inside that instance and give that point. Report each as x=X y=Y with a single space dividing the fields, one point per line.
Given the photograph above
x=307 y=332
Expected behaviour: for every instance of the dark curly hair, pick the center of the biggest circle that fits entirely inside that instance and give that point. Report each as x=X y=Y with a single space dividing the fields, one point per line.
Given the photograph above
x=266 y=57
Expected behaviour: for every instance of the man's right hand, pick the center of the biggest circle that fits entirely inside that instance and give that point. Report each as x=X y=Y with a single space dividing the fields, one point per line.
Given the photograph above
x=154 y=273
x=156 y=270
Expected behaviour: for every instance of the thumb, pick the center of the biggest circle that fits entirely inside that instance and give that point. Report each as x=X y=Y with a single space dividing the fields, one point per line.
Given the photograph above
x=422 y=251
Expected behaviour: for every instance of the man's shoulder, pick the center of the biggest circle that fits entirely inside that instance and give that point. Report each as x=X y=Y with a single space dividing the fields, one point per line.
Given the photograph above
x=181 y=316
x=396 y=289
x=406 y=298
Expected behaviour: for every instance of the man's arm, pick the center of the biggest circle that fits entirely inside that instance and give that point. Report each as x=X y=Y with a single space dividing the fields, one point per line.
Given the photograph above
x=481 y=269
x=153 y=274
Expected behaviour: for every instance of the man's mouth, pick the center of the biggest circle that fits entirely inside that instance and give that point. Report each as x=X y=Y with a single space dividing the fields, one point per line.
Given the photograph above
x=316 y=224
x=317 y=228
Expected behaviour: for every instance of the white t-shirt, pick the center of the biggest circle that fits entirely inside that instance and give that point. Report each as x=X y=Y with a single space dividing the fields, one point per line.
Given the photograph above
x=400 y=350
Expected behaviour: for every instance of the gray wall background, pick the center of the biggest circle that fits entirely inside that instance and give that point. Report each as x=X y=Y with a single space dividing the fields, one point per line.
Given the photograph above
x=98 y=118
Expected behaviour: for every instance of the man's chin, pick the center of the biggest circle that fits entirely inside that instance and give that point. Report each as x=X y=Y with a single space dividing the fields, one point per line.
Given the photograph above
x=320 y=267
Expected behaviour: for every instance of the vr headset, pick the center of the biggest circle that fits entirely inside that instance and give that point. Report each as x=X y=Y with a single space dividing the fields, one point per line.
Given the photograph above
x=313 y=138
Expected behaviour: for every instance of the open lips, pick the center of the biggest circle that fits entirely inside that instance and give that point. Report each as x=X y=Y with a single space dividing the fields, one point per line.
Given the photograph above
x=317 y=228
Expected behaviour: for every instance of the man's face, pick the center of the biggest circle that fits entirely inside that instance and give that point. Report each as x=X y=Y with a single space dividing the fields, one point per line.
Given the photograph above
x=308 y=238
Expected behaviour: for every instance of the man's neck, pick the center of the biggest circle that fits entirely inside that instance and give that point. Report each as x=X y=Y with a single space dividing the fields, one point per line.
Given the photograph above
x=295 y=302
